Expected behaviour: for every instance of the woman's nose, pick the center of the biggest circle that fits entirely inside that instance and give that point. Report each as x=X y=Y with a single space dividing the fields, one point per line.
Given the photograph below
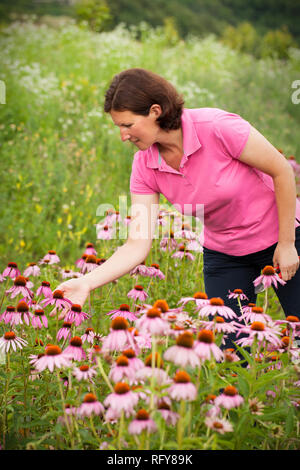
x=124 y=135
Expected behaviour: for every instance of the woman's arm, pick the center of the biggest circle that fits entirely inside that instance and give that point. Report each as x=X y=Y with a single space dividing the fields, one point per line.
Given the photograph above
x=144 y=212
x=261 y=154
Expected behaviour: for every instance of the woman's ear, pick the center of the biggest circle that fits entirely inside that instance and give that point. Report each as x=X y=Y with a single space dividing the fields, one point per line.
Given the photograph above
x=155 y=111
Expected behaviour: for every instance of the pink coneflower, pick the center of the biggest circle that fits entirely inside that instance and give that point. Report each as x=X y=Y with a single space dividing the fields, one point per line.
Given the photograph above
x=229 y=398
x=90 y=406
x=119 y=337
x=268 y=278
x=90 y=249
x=127 y=220
x=68 y=274
x=155 y=271
x=10 y=341
x=57 y=300
x=88 y=335
x=194 y=245
x=218 y=325
x=142 y=422
x=183 y=252
x=39 y=319
x=182 y=387
x=19 y=288
x=206 y=348
x=237 y=294
x=252 y=313
x=32 y=270
x=182 y=353
x=141 y=270
x=230 y=355
x=21 y=314
x=44 y=290
x=152 y=322
x=124 y=312
x=8 y=313
x=147 y=372
x=80 y=263
x=90 y=264
x=50 y=258
x=292 y=322
x=142 y=340
x=138 y=293
x=84 y=372
x=185 y=233
x=216 y=307
x=122 y=370
x=200 y=299
x=134 y=361
x=256 y=407
x=168 y=242
x=220 y=425
x=53 y=357
x=122 y=398
x=94 y=352
x=105 y=233
x=75 y=350
x=170 y=417
x=260 y=331
x=64 y=331
x=11 y=270
x=76 y=315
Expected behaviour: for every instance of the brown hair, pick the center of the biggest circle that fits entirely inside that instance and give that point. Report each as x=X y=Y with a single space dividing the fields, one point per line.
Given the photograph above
x=137 y=89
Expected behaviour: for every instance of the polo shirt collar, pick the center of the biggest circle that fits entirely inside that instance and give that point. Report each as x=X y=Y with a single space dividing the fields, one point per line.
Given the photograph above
x=191 y=143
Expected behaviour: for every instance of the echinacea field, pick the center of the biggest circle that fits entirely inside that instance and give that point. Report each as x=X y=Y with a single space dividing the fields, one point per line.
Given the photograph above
x=141 y=365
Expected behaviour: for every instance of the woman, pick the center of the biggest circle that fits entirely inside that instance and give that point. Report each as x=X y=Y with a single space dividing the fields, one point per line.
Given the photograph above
x=207 y=158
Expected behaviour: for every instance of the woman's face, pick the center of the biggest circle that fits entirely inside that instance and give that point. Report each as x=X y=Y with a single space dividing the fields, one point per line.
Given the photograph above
x=142 y=131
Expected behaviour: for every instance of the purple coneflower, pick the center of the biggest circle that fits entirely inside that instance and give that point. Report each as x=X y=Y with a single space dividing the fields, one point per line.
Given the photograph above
x=258 y=330
x=170 y=417
x=124 y=312
x=147 y=372
x=252 y=313
x=183 y=353
x=32 y=270
x=10 y=341
x=90 y=264
x=168 y=242
x=75 y=350
x=200 y=299
x=90 y=406
x=105 y=233
x=44 y=290
x=53 y=357
x=292 y=322
x=20 y=288
x=84 y=372
x=21 y=314
x=218 y=325
x=206 y=348
x=11 y=270
x=134 y=361
x=65 y=331
x=88 y=335
x=57 y=300
x=183 y=252
x=80 y=263
x=182 y=387
x=119 y=337
x=122 y=399
x=122 y=370
x=50 y=258
x=237 y=294
x=142 y=340
x=141 y=270
x=76 y=315
x=268 y=278
x=155 y=271
x=229 y=398
x=137 y=293
x=142 y=422
x=220 y=425
x=39 y=319
x=6 y=316
x=90 y=249
x=152 y=322
x=216 y=307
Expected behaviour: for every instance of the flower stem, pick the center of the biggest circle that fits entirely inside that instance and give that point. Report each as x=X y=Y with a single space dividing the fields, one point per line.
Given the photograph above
x=104 y=374
x=180 y=424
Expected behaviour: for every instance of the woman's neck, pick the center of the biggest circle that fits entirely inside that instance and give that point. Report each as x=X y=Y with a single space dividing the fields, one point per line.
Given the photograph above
x=170 y=146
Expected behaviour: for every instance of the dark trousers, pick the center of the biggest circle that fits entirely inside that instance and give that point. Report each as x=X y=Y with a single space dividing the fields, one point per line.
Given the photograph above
x=226 y=272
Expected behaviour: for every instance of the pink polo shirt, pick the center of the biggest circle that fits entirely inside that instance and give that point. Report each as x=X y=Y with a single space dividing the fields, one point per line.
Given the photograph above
x=240 y=211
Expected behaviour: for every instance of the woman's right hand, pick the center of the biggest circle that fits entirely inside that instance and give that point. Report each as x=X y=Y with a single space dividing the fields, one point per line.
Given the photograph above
x=75 y=290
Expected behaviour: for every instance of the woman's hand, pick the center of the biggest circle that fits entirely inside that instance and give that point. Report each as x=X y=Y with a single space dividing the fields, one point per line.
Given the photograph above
x=286 y=257
x=75 y=290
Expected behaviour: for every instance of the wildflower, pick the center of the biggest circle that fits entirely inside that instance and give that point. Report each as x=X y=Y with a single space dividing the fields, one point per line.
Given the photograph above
x=138 y=293
x=50 y=258
x=57 y=299
x=94 y=352
x=168 y=242
x=90 y=249
x=229 y=398
x=219 y=425
x=200 y=299
x=142 y=422
x=67 y=274
x=105 y=233
x=134 y=361
x=155 y=271
x=122 y=370
x=256 y=407
x=151 y=322
x=19 y=287
x=206 y=348
x=185 y=233
x=84 y=372
x=124 y=312
x=230 y=355
x=10 y=341
x=268 y=278
x=64 y=331
x=170 y=417
x=90 y=406
x=76 y=315
x=11 y=270
x=218 y=325
x=182 y=353
x=39 y=319
x=6 y=316
x=21 y=314
x=252 y=313
x=156 y=371
x=53 y=357
x=75 y=350
x=182 y=387
x=44 y=290
x=183 y=252
x=141 y=270
x=127 y=220
x=142 y=340
x=80 y=263
x=237 y=294
x=119 y=337
x=292 y=322
x=32 y=270
x=88 y=335
x=260 y=331
x=122 y=398
x=216 y=307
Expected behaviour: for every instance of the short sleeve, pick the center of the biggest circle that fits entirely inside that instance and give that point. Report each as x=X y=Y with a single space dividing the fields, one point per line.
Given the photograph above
x=232 y=131
x=140 y=179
